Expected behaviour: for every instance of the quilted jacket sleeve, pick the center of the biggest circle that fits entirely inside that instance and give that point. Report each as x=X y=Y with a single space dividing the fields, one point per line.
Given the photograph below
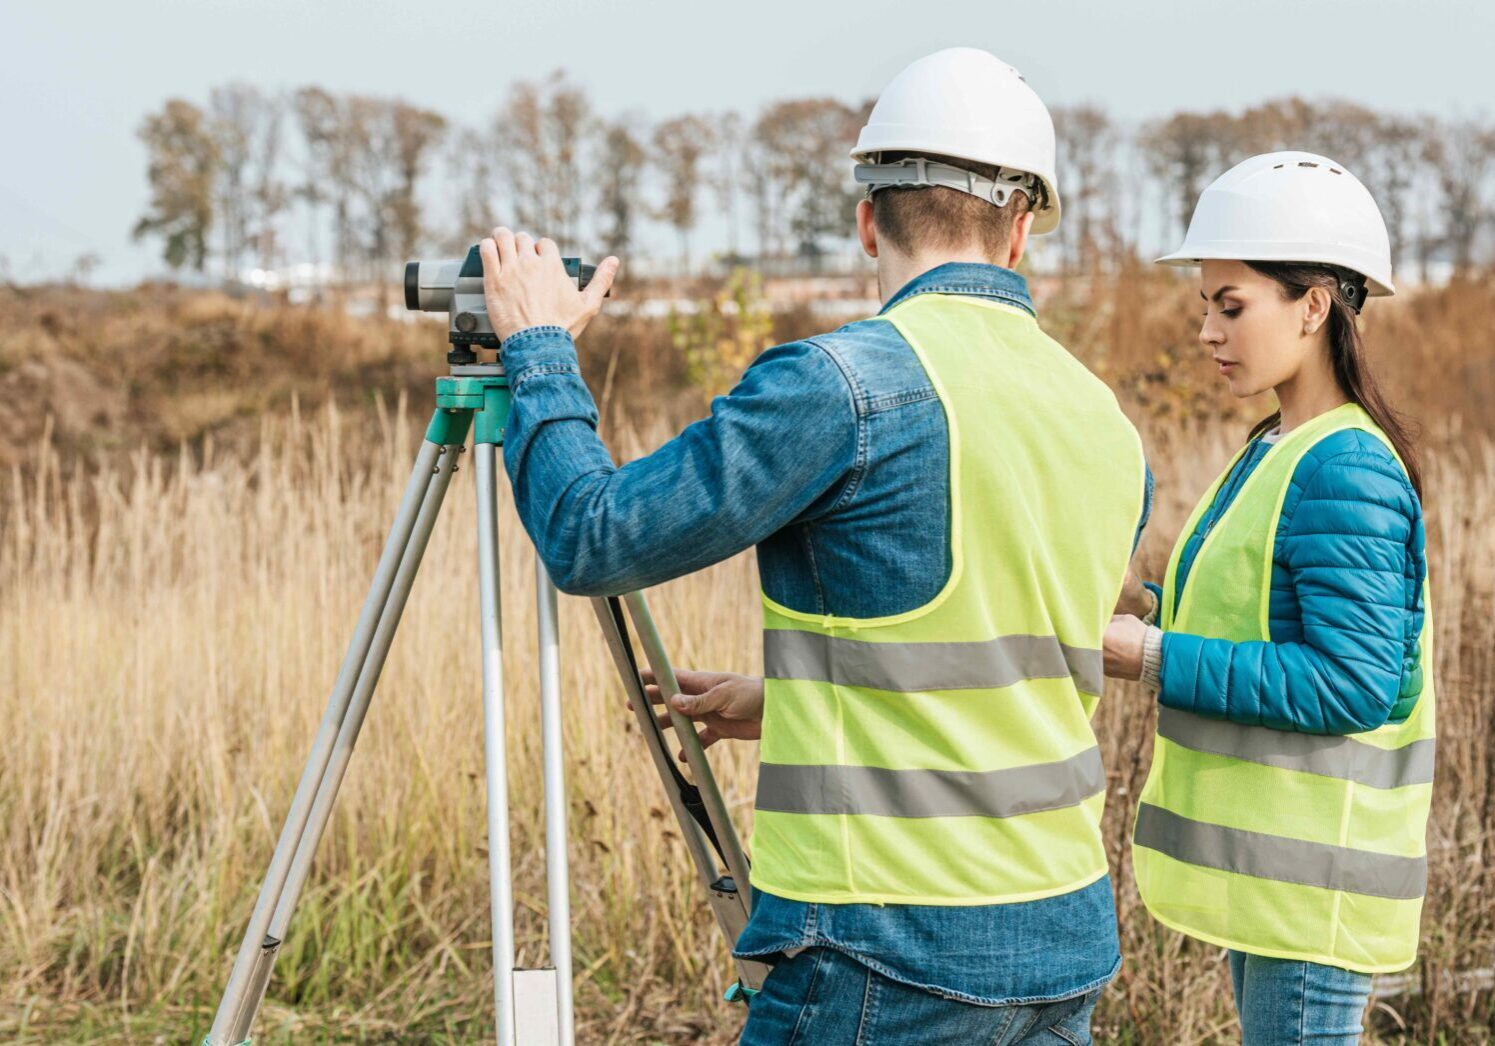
x=1353 y=550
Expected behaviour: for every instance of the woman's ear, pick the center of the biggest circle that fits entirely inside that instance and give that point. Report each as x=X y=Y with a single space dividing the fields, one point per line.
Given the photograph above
x=1316 y=305
x=866 y=231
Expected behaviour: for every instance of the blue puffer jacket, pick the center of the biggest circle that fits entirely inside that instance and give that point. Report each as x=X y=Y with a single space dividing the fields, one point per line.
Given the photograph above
x=1346 y=605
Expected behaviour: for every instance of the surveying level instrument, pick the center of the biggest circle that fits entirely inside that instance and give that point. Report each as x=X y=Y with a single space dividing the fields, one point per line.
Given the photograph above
x=533 y=1006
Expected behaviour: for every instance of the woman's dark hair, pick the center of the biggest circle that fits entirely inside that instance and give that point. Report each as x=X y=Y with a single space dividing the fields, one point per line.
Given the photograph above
x=1347 y=355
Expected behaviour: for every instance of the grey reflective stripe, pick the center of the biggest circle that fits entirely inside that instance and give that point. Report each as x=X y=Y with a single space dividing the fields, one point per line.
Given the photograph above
x=906 y=667
x=1276 y=857
x=1341 y=757
x=795 y=789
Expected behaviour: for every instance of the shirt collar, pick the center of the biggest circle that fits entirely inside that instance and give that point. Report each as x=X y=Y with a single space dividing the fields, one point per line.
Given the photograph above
x=981 y=281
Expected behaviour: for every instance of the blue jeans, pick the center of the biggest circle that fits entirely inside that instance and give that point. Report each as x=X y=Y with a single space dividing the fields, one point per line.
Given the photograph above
x=1282 y=1002
x=823 y=997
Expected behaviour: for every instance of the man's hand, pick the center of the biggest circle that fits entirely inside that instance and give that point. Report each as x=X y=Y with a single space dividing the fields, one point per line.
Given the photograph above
x=1135 y=597
x=525 y=285
x=1123 y=647
x=729 y=705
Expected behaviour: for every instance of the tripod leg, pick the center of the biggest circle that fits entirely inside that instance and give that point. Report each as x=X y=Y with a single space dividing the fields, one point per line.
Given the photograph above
x=251 y=951
x=500 y=881
x=557 y=879
x=347 y=737
x=727 y=901
x=695 y=755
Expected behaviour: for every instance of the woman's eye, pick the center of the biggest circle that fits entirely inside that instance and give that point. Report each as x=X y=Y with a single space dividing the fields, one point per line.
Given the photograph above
x=1233 y=312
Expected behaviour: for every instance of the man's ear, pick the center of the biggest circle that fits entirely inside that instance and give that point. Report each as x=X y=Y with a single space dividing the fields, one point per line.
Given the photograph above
x=1019 y=243
x=866 y=231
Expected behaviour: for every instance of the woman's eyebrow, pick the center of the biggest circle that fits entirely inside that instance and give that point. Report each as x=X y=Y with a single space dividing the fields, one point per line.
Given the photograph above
x=1220 y=293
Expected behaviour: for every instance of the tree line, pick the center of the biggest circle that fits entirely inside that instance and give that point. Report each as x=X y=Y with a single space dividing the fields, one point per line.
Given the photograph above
x=258 y=178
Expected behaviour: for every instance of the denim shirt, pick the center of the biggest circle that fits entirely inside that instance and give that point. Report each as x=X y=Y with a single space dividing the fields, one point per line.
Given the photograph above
x=831 y=456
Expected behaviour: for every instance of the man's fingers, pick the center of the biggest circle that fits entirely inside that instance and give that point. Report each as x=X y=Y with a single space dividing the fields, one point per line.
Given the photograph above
x=488 y=251
x=503 y=238
x=602 y=281
x=524 y=244
x=697 y=705
x=708 y=738
x=693 y=681
x=545 y=247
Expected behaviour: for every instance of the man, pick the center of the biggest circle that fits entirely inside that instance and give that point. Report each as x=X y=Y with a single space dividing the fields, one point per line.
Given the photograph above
x=944 y=504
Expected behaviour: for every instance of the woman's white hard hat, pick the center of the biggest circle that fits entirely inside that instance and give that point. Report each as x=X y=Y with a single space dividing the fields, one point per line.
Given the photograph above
x=1290 y=207
x=968 y=104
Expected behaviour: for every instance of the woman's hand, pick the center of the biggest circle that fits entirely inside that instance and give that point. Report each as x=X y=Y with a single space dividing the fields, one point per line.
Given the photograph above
x=1123 y=647
x=729 y=705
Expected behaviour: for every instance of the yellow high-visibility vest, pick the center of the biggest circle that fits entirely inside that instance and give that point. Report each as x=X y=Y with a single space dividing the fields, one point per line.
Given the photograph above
x=1298 y=846
x=945 y=755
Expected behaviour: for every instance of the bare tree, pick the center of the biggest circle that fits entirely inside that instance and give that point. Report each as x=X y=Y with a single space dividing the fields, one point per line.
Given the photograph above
x=679 y=145
x=762 y=174
x=470 y=160
x=804 y=144
x=621 y=160
x=247 y=127
x=327 y=174
x=1461 y=155
x=182 y=171
x=389 y=142
x=1185 y=151
x=542 y=132
x=411 y=134
x=1392 y=169
x=726 y=175
x=1087 y=141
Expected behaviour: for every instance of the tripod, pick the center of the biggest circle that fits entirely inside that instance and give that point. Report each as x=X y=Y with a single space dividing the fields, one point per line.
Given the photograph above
x=533 y=1006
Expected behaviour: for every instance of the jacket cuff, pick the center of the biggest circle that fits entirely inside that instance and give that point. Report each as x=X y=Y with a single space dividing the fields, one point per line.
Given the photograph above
x=1152 y=658
x=543 y=349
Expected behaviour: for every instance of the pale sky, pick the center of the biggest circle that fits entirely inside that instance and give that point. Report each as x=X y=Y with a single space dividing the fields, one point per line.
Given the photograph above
x=78 y=75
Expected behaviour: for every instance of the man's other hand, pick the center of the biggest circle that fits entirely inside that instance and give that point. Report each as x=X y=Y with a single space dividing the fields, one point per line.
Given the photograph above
x=1135 y=599
x=525 y=285
x=728 y=705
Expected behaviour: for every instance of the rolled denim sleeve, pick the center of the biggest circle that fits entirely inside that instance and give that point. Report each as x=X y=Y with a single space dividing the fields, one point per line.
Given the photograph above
x=784 y=437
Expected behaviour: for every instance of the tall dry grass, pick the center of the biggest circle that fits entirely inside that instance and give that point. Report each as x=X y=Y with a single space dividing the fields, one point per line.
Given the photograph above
x=169 y=624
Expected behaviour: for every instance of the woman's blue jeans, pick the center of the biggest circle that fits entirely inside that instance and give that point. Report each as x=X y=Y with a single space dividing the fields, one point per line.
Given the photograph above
x=1282 y=1002
x=823 y=997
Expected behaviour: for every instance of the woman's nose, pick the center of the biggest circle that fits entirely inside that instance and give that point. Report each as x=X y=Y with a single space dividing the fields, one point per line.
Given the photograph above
x=1210 y=334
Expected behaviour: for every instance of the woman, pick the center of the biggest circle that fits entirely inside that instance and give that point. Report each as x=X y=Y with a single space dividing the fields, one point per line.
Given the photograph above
x=1285 y=812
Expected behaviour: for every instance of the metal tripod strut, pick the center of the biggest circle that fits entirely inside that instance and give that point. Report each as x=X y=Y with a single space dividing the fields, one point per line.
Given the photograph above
x=533 y=1007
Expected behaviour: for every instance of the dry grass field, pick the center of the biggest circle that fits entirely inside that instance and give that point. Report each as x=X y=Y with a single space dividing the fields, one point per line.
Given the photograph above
x=185 y=544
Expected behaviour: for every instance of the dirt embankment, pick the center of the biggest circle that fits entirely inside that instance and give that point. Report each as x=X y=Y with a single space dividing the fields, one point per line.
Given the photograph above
x=99 y=372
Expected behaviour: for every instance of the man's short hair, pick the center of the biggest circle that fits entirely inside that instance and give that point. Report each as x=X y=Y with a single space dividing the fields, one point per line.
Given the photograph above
x=932 y=217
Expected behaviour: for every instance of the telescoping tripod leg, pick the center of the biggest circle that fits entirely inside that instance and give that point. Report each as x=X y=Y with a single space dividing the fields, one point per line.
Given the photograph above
x=532 y=1006
x=347 y=705
x=705 y=823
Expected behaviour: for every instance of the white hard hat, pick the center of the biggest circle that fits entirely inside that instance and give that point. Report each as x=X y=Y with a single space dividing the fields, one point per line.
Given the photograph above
x=1290 y=207
x=968 y=104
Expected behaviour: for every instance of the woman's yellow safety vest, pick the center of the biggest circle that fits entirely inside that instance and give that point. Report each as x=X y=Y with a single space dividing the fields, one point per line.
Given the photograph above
x=1298 y=846
x=945 y=755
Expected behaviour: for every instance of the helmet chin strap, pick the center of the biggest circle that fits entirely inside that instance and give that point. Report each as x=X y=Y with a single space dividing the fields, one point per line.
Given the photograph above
x=916 y=172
